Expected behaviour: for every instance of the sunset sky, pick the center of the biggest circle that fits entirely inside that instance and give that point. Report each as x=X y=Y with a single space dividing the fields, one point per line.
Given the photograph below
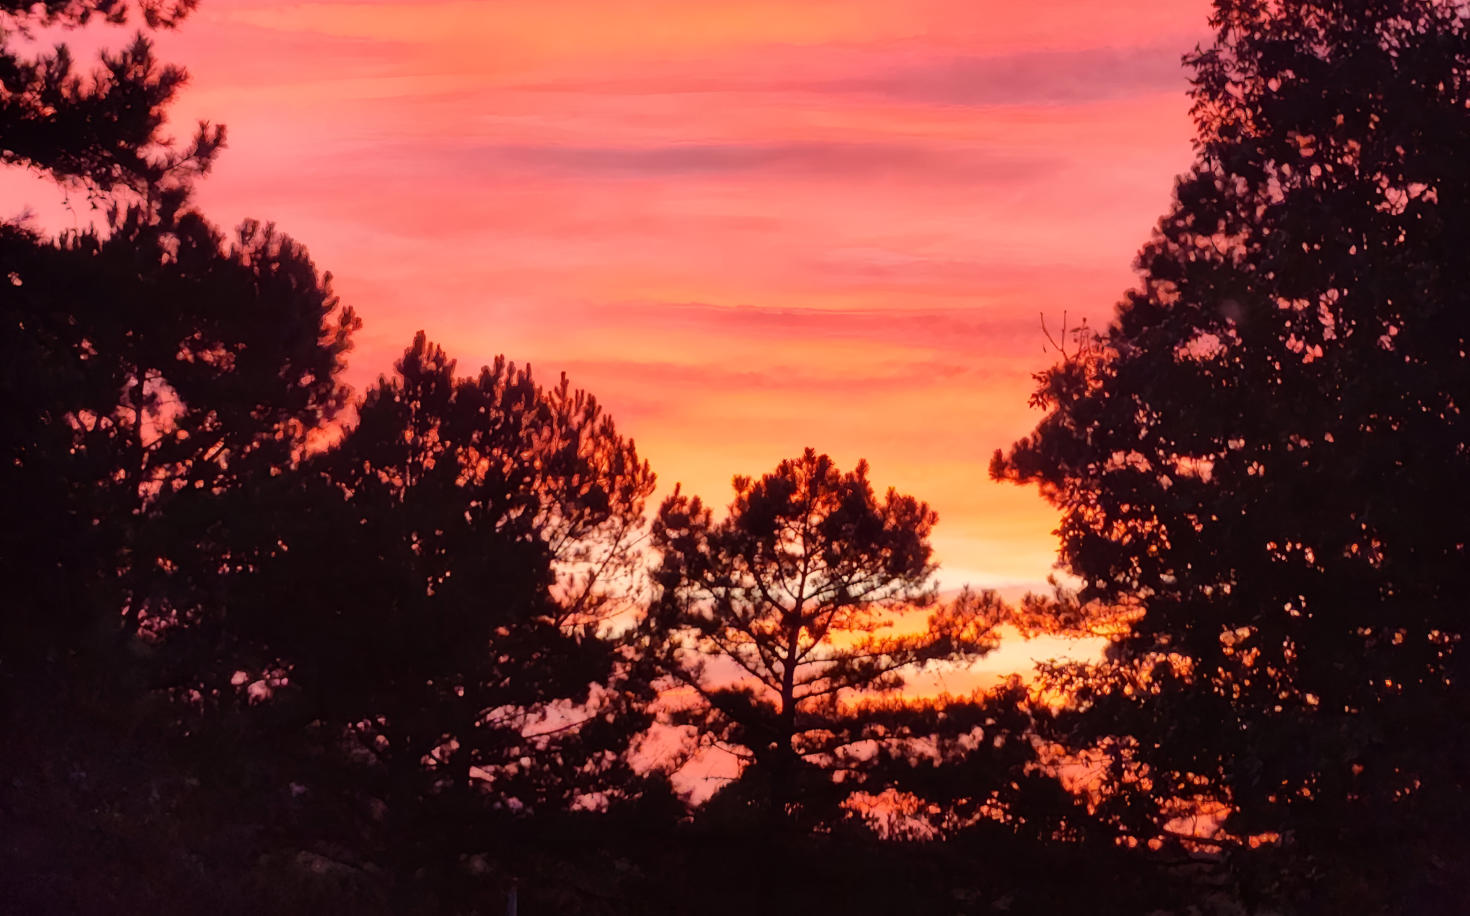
x=746 y=226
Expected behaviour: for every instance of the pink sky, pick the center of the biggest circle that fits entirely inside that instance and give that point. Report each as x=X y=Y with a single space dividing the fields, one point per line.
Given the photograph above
x=746 y=226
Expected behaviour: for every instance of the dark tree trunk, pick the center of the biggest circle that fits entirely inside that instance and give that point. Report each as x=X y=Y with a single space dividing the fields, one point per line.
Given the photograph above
x=783 y=763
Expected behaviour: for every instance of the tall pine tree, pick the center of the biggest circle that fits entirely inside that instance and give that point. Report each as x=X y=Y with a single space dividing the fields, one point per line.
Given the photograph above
x=1265 y=457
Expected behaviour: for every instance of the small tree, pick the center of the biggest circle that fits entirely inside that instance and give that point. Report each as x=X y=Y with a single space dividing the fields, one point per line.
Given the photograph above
x=775 y=616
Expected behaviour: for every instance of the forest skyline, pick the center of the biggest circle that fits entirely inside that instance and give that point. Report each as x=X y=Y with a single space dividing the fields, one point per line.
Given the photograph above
x=285 y=635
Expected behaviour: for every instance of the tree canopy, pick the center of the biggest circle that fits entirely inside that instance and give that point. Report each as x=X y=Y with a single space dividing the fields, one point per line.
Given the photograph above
x=437 y=594
x=779 y=613
x=155 y=371
x=102 y=127
x=1266 y=452
x=151 y=361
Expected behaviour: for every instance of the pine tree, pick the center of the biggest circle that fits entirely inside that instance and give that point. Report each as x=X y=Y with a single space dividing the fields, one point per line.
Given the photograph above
x=103 y=128
x=1264 y=457
x=777 y=618
x=439 y=605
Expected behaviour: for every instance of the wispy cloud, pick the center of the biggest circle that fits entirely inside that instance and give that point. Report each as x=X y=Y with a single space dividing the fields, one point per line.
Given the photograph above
x=915 y=74
x=953 y=330
x=812 y=161
x=746 y=225
x=1027 y=78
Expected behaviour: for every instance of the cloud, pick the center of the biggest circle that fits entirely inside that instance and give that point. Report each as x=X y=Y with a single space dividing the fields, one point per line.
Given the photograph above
x=911 y=73
x=1026 y=78
x=277 y=58
x=873 y=378
x=938 y=330
x=898 y=189
x=813 y=160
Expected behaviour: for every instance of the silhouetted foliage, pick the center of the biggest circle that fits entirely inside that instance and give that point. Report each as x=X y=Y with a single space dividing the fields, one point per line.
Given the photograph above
x=254 y=662
x=438 y=598
x=101 y=127
x=956 y=767
x=153 y=373
x=777 y=617
x=148 y=361
x=1266 y=453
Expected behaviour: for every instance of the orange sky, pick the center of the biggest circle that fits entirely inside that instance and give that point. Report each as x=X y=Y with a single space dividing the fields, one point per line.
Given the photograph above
x=747 y=226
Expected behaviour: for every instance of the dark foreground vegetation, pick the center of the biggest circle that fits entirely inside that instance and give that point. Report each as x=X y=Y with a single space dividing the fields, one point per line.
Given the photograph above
x=265 y=648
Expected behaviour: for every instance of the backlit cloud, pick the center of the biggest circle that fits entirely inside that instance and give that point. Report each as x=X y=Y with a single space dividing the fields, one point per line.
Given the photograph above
x=747 y=227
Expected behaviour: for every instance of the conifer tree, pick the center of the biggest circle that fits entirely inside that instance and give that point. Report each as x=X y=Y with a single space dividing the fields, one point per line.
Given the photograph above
x=438 y=600
x=102 y=127
x=777 y=618
x=1264 y=456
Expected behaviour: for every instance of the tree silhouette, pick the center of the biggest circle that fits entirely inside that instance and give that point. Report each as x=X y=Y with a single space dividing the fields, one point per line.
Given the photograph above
x=155 y=372
x=101 y=128
x=775 y=617
x=153 y=367
x=1266 y=455
x=439 y=594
